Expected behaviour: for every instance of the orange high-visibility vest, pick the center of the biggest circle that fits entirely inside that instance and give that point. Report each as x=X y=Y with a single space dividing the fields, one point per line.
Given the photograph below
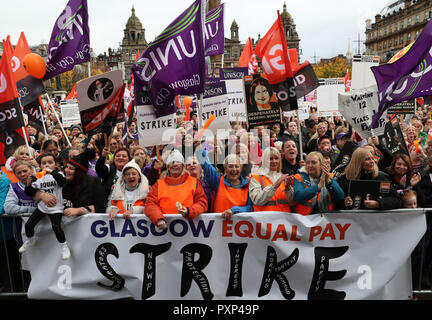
x=169 y=195
x=228 y=197
x=10 y=175
x=278 y=202
x=120 y=206
x=306 y=208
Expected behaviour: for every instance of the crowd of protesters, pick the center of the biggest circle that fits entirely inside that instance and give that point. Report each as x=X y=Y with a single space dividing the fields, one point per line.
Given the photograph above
x=280 y=167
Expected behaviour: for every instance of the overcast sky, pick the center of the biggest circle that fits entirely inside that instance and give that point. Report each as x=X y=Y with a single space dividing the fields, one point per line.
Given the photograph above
x=324 y=27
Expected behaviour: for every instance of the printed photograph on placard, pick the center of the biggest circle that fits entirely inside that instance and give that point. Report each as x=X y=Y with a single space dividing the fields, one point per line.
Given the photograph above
x=261 y=101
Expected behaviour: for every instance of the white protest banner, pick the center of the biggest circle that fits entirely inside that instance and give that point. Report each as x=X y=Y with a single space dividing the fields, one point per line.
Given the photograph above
x=233 y=78
x=154 y=131
x=327 y=94
x=70 y=113
x=303 y=109
x=258 y=255
x=215 y=102
x=358 y=107
x=362 y=75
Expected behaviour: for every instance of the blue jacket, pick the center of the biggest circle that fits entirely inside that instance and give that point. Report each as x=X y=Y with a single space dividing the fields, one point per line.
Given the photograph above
x=213 y=178
x=303 y=194
x=7 y=222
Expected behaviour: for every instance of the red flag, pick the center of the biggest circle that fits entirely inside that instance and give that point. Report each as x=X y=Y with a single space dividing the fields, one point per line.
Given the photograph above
x=248 y=58
x=110 y=110
x=273 y=52
x=72 y=94
x=420 y=101
x=12 y=122
x=347 y=82
x=29 y=88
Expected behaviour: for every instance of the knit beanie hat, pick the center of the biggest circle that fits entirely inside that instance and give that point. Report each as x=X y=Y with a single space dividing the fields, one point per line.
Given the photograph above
x=132 y=164
x=81 y=161
x=175 y=156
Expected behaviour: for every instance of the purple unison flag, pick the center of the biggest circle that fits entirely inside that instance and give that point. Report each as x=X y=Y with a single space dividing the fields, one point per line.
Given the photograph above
x=174 y=63
x=70 y=39
x=408 y=77
x=214 y=32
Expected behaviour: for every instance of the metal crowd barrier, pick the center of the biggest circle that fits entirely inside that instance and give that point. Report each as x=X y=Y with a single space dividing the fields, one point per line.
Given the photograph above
x=422 y=276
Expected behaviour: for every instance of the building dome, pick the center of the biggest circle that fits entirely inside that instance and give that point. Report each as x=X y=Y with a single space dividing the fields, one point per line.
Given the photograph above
x=133 y=21
x=286 y=16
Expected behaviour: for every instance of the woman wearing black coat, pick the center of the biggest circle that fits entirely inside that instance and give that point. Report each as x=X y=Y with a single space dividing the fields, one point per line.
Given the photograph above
x=82 y=193
x=363 y=167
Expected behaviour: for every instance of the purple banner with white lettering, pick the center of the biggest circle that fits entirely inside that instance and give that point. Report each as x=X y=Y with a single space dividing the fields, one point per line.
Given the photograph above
x=214 y=32
x=233 y=73
x=408 y=77
x=70 y=39
x=174 y=63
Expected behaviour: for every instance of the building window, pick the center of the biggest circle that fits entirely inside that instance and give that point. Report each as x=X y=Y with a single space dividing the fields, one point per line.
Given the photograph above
x=395 y=41
x=409 y=21
x=409 y=37
x=417 y=34
x=401 y=40
x=390 y=43
x=417 y=18
x=401 y=24
x=385 y=45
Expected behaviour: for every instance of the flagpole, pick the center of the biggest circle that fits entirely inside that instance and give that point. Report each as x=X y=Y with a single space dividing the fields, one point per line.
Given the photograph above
x=300 y=135
x=61 y=125
x=43 y=122
x=200 y=109
x=24 y=131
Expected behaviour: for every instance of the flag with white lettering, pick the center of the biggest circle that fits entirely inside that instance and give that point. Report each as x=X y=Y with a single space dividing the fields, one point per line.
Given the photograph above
x=248 y=59
x=29 y=88
x=70 y=39
x=406 y=78
x=174 y=63
x=214 y=32
x=11 y=117
x=273 y=52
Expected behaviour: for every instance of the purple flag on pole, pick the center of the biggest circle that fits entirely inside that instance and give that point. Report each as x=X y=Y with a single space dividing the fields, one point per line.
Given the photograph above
x=214 y=32
x=70 y=39
x=408 y=77
x=174 y=63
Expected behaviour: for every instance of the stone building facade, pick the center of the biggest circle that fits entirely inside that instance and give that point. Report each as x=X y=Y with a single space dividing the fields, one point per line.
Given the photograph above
x=396 y=26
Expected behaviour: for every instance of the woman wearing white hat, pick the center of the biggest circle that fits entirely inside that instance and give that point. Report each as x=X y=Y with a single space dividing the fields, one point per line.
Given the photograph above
x=130 y=192
x=177 y=193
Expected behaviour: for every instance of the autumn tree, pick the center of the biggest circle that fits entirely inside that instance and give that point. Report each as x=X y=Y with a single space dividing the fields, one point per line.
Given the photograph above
x=79 y=72
x=333 y=68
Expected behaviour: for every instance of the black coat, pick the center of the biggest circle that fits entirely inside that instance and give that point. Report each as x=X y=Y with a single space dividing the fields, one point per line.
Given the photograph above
x=426 y=186
x=392 y=201
x=108 y=175
x=91 y=194
x=421 y=201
